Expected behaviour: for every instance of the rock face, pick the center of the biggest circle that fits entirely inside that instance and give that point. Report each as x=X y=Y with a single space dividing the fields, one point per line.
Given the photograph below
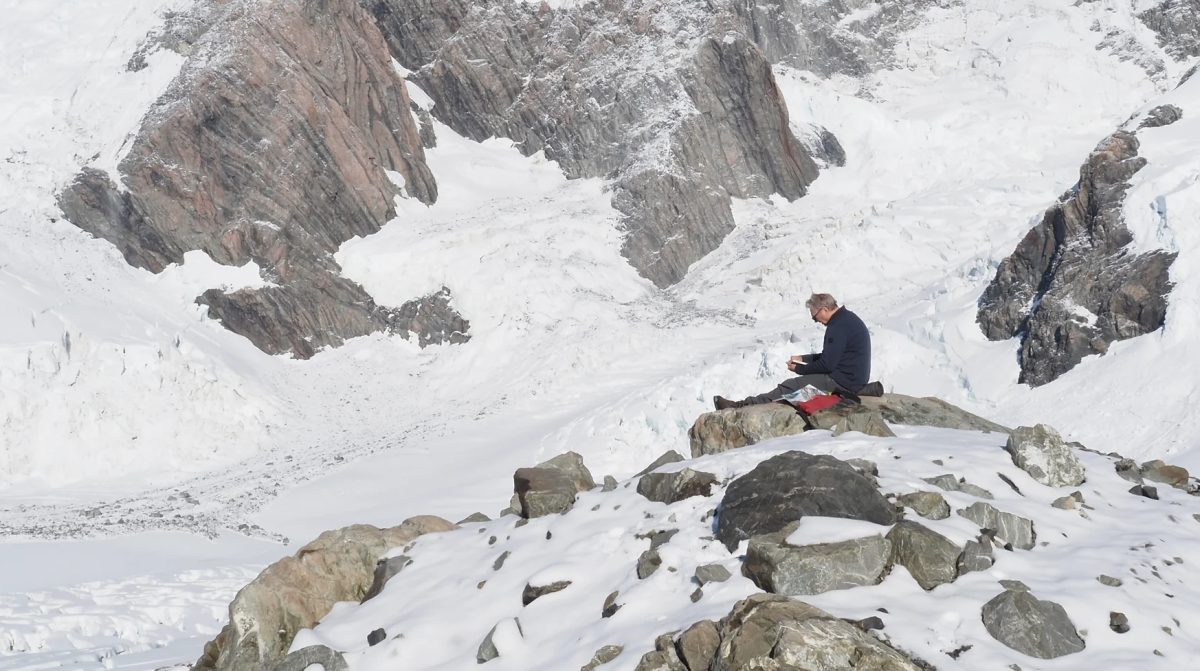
x=780 y=568
x=273 y=145
x=930 y=557
x=1163 y=115
x=1026 y=624
x=1070 y=288
x=1042 y=453
x=1177 y=23
x=660 y=97
x=295 y=592
x=787 y=487
x=716 y=432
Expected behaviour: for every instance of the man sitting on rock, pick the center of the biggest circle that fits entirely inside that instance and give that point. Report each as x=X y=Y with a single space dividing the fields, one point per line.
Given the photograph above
x=843 y=367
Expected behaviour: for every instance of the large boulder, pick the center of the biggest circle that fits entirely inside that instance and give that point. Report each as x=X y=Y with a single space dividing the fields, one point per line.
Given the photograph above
x=550 y=487
x=780 y=568
x=930 y=557
x=928 y=411
x=1027 y=624
x=1042 y=453
x=929 y=505
x=723 y=430
x=786 y=487
x=1013 y=529
x=766 y=631
x=295 y=592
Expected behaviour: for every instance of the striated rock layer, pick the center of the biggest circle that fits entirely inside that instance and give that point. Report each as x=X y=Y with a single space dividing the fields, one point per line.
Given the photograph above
x=273 y=145
x=1072 y=287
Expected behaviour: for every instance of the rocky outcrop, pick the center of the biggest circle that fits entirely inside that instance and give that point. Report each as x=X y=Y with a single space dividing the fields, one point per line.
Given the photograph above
x=1009 y=528
x=1163 y=115
x=1027 y=624
x=671 y=487
x=1042 y=453
x=295 y=592
x=1177 y=24
x=286 y=133
x=785 y=488
x=840 y=419
x=1071 y=287
x=660 y=97
x=927 y=411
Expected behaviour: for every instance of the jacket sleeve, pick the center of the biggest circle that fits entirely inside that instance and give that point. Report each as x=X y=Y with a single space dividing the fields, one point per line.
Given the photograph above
x=827 y=360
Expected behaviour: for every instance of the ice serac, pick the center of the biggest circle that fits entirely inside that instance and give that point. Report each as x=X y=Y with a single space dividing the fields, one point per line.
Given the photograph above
x=666 y=99
x=274 y=144
x=1072 y=287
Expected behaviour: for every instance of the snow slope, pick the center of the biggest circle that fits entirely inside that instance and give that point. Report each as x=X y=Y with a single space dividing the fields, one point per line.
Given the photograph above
x=126 y=413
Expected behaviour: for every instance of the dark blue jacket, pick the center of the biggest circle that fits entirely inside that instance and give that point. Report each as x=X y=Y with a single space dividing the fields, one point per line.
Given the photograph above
x=846 y=356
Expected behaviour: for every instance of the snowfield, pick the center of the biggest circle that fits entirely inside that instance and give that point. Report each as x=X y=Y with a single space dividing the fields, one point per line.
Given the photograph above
x=152 y=462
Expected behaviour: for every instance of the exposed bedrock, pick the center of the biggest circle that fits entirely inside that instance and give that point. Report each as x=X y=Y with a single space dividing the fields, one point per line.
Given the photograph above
x=655 y=95
x=1072 y=286
x=272 y=145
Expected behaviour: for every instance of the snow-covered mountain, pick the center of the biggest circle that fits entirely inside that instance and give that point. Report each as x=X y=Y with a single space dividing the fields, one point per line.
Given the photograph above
x=893 y=154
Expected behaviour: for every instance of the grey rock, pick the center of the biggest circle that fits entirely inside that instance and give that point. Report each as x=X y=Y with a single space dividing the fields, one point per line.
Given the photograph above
x=864 y=466
x=647 y=563
x=487 y=648
x=975 y=490
x=1041 y=452
x=551 y=486
x=658 y=538
x=712 y=573
x=841 y=419
x=1118 y=622
x=1068 y=502
x=780 y=568
x=1109 y=580
x=1076 y=259
x=302 y=659
x=717 y=432
x=296 y=592
x=499 y=563
x=696 y=595
x=1157 y=471
x=671 y=487
x=930 y=557
x=929 y=505
x=376 y=637
x=668 y=457
x=786 y=487
x=1031 y=626
x=977 y=555
x=951 y=483
x=697 y=645
x=610 y=484
x=1129 y=470
x=1010 y=528
x=873 y=623
x=603 y=656
x=385 y=570
x=1163 y=115
x=1014 y=585
x=475 y=517
x=766 y=631
x=247 y=156
x=1145 y=491
x=532 y=593
x=611 y=606
x=664 y=657
x=928 y=411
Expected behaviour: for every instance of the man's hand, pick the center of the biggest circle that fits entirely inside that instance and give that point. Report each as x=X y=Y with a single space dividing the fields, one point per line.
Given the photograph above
x=797 y=360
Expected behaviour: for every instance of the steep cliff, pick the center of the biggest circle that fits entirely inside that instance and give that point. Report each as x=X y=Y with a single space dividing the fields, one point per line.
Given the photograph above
x=287 y=132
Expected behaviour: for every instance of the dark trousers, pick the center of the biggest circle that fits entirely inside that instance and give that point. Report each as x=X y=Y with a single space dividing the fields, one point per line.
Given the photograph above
x=819 y=380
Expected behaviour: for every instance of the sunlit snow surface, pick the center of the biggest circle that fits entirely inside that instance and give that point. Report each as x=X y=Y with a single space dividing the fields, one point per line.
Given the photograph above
x=129 y=421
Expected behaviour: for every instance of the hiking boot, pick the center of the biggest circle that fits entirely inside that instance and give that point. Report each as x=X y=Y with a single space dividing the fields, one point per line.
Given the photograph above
x=872 y=389
x=722 y=403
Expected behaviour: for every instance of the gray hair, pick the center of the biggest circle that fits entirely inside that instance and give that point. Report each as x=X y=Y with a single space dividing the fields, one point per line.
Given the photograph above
x=819 y=301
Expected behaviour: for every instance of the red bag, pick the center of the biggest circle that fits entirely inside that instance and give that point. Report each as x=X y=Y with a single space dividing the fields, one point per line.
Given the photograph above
x=818 y=403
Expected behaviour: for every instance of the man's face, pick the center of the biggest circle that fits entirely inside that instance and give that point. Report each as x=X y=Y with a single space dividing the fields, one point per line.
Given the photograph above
x=820 y=315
